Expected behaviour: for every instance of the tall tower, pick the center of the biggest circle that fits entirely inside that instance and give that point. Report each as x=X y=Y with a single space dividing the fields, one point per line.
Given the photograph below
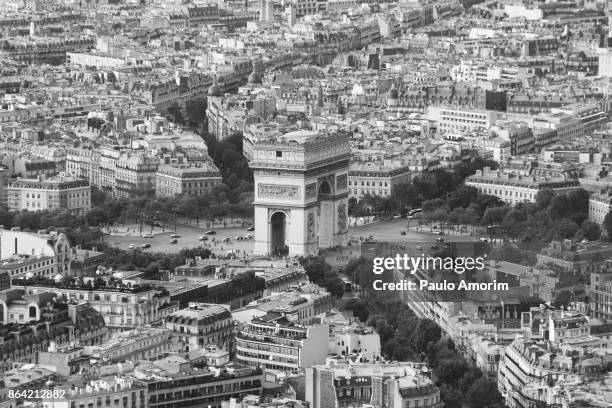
x=301 y=195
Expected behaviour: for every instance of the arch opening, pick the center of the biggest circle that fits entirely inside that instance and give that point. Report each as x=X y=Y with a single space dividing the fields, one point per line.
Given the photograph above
x=325 y=190
x=278 y=227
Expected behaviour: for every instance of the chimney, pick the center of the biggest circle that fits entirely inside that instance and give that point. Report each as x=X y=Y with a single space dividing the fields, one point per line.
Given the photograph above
x=72 y=312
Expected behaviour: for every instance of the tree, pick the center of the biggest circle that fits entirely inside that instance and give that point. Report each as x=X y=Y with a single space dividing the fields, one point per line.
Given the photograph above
x=562 y=299
x=96 y=216
x=427 y=331
x=196 y=110
x=591 y=230
x=483 y=394
x=607 y=225
x=27 y=220
x=473 y=374
x=315 y=267
x=407 y=195
x=559 y=207
x=335 y=286
x=174 y=113
x=578 y=201
x=450 y=397
x=359 y=308
x=444 y=349
x=462 y=197
x=495 y=215
x=544 y=197
x=507 y=253
x=564 y=229
x=227 y=156
x=399 y=350
x=450 y=371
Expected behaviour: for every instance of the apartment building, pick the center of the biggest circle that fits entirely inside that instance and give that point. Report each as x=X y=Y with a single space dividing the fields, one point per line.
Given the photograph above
x=459 y=120
x=380 y=178
x=142 y=343
x=601 y=295
x=104 y=392
x=30 y=168
x=30 y=255
x=576 y=258
x=600 y=204
x=43 y=50
x=530 y=370
x=393 y=384
x=56 y=193
x=355 y=339
x=196 y=180
x=540 y=279
x=173 y=383
x=485 y=353
x=135 y=173
x=59 y=323
x=567 y=126
x=121 y=307
x=200 y=325
x=229 y=114
x=301 y=302
x=29 y=266
x=519 y=135
x=277 y=344
x=514 y=188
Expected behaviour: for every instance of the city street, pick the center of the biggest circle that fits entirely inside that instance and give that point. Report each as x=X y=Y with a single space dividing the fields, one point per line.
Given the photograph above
x=188 y=238
x=388 y=230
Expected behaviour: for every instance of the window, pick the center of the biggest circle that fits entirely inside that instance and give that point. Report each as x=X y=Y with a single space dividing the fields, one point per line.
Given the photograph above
x=279 y=153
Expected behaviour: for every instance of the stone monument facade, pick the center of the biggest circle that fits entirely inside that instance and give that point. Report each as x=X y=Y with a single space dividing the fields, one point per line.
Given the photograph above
x=301 y=192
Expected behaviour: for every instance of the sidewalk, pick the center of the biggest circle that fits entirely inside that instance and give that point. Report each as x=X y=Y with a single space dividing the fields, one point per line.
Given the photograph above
x=217 y=223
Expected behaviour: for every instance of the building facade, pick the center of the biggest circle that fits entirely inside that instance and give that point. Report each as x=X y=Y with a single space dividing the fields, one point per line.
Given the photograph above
x=515 y=188
x=200 y=325
x=172 y=181
x=57 y=193
x=393 y=385
x=301 y=192
x=281 y=346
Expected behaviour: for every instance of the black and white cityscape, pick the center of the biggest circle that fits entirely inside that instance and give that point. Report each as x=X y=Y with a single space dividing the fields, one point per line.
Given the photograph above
x=305 y=204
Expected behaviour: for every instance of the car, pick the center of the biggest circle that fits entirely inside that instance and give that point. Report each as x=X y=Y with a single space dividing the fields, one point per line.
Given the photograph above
x=175 y=236
x=438 y=233
x=248 y=236
x=238 y=238
x=173 y=241
x=132 y=246
x=210 y=232
x=403 y=232
x=439 y=239
x=203 y=238
x=419 y=248
x=146 y=246
x=251 y=229
x=148 y=236
x=226 y=240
